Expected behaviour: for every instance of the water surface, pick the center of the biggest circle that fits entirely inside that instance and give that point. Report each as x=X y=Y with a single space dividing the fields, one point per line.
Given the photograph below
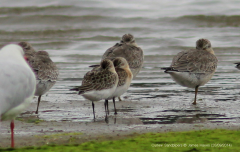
x=77 y=33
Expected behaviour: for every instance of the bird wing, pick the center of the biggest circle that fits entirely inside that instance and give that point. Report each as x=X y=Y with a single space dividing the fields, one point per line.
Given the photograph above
x=16 y=84
x=195 y=61
x=44 y=68
x=122 y=76
x=97 y=80
x=133 y=54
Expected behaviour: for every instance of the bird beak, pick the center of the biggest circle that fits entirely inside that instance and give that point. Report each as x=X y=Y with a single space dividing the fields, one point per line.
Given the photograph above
x=25 y=57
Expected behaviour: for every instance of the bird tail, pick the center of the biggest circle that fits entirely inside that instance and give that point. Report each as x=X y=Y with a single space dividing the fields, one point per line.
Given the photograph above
x=93 y=66
x=74 y=89
x=77 y=89
x=168 y=69
x=238 y=65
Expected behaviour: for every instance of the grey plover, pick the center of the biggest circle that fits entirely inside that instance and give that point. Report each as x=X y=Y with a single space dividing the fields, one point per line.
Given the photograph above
x=128 y=49
x=17 y=84
x=195 y=67
x=99 y=84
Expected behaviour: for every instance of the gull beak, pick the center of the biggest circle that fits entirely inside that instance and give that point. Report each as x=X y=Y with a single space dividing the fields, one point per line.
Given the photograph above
x=25 y=57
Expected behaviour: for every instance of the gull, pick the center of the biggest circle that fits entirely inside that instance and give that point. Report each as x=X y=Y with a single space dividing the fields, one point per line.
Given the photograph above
x=17 y=84
x=195 y=67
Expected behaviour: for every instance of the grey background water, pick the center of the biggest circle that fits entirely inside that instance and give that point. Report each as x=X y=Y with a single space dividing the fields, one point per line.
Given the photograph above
x=76 y=33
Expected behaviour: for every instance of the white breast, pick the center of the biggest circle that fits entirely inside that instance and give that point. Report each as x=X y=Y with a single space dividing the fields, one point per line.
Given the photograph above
x=191 y=80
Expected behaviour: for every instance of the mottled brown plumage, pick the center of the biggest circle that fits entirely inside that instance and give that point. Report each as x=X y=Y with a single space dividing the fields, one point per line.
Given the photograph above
x=46 y=73
x=129 y=50
x=99 y=83
x=123 y=74
x=195 y=67
x=45 y=70
x=125 y=77
x=29 y=51
x=199 y=60
x=98 y=80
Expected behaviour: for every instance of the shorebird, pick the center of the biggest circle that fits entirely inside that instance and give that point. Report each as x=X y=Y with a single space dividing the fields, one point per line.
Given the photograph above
x=46 y=73
x=125 y=77
x=17 y=84
x=99 y=84
x=195 y=67
x=128 y=49
x=44 y=68
x=29 y=51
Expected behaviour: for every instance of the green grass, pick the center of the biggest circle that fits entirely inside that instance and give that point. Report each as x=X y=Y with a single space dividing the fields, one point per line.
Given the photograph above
x=218 y=140
x=29 y=119
x=60 y=135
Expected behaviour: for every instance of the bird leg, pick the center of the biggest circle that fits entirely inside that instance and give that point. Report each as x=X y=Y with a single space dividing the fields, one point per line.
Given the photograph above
x=39 y=99
x=106 y=119
x=106 y=107
x=195 y=99
x=93 y=111
x=12 y=133
x=114 y=106
x=119 y=98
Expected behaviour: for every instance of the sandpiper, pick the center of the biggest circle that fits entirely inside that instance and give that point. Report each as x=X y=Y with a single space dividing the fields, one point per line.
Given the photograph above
x=46 y=73
x=195 y=67
x=128 y=49
x=29 y=51
x=44 y=68
x=125 y=77
x=17 y=84
x=99 y=84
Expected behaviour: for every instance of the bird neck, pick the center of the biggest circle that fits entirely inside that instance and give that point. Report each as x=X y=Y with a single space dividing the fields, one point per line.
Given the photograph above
x=210 y=50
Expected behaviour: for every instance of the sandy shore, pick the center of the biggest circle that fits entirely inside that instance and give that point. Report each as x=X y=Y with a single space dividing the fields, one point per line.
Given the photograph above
x=46 y=128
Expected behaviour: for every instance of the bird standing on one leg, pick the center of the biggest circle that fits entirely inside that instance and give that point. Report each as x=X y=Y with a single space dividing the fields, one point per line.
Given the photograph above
x=46 y=73
x=44 y=68
x=195 y=67
x=17 y=84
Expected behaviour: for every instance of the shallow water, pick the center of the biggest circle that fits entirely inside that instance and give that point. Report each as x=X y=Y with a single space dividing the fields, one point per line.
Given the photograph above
x=77 y=33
